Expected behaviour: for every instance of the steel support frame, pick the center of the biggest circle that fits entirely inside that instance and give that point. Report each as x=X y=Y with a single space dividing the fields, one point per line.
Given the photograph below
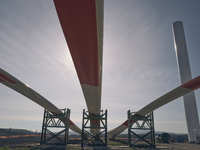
x=55 y=121
x=145 y=123
x=87 y=119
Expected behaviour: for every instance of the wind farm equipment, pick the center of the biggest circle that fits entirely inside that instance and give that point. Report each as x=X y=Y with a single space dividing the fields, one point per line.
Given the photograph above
x=189 y=101
x=85 y=42
x=96 y=122
x=82 y=25
x=163 y=138
x=24 y=89
x=166 y=98
x=55 y=121
x=141 y=124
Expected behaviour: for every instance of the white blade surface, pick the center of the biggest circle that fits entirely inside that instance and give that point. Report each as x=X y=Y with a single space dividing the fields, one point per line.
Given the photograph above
x=170 y=96
x=15 y=84
x=82 y=25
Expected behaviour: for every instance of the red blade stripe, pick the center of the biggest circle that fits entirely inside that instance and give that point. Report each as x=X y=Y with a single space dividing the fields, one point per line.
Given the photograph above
x=78 y=21
x=126 y=122
x=4 y=78
x=70 y=122
x=194 y=84
x=94 y=121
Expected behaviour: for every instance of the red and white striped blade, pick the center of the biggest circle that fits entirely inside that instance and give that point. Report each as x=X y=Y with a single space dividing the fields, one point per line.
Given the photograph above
x=170 y=96
x=22 y=88
x=82 y=25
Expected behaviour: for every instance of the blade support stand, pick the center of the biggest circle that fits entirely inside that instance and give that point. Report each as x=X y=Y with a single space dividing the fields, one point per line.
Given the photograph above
x=144 y=124
x=91 y=121
x=55 y=121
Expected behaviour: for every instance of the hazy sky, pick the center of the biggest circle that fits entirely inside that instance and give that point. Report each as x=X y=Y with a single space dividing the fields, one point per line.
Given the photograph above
x=139 y=61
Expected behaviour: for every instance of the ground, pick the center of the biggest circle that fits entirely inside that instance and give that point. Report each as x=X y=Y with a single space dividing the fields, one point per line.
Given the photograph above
x=74 y=144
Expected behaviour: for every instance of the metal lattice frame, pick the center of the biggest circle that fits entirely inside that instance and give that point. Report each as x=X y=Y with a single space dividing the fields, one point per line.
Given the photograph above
x=101 y=119
x=55 y=121
x=145 y=123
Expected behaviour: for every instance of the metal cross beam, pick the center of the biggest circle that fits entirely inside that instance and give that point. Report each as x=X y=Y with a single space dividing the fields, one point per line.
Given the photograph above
x=141 y=123
x=55 y=121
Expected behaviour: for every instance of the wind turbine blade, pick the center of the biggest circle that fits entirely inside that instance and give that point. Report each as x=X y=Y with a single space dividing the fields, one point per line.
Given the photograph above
x=22 y=88
x=168 y=97
x=82 y=25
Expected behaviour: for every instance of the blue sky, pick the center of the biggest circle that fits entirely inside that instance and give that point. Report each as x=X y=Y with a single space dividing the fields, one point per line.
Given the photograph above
x=139 y=61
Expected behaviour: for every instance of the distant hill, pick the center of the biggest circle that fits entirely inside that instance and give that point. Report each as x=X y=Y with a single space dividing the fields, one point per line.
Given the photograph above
x=10 y=131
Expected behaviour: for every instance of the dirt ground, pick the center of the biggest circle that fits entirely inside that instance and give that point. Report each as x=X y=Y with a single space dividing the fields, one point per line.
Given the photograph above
x=33 y=144
x=179 y=146
x=159 y=146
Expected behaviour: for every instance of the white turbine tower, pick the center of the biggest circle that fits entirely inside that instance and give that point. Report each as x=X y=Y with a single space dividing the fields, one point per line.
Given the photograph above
x=191 y=114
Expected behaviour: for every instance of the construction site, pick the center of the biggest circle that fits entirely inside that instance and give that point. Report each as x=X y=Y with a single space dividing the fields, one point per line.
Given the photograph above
x=95 y=74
